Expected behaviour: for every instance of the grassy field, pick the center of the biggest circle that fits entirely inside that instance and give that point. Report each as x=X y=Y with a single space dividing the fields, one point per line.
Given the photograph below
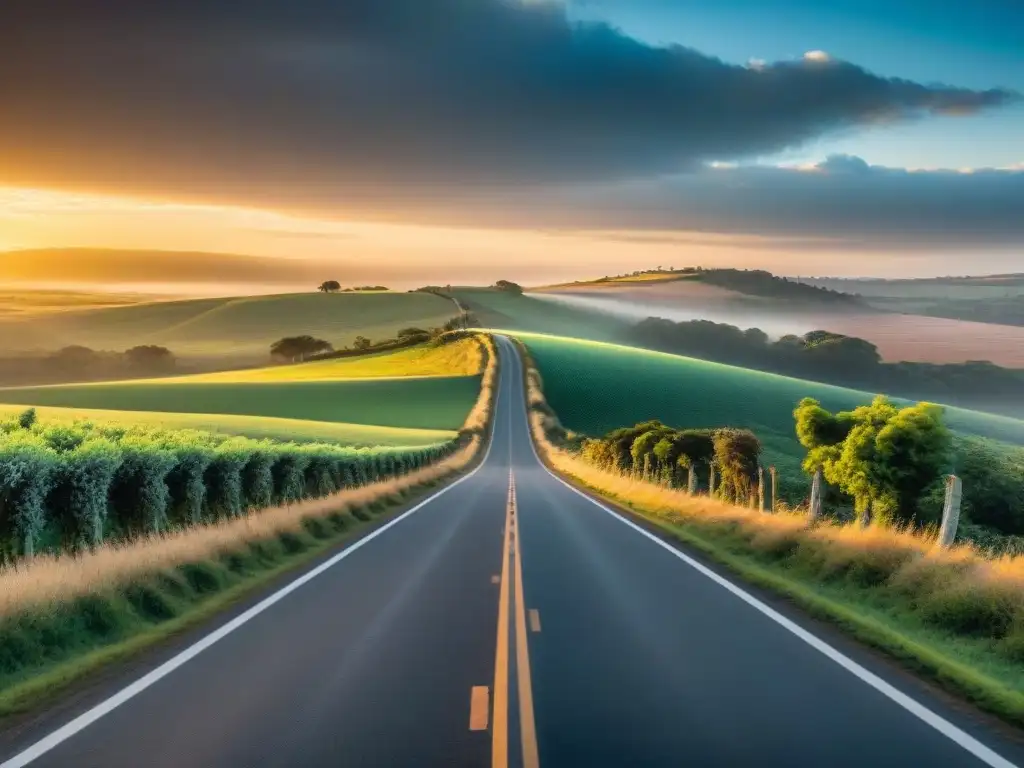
x=257 y=427
x=229 y=327
x=460 y=358
x=416 y=403
x=17 y=302
x=595 y=387
x=498 y=309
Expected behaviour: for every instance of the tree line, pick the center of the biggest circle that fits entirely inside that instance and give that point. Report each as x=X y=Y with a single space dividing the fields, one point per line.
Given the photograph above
x=297 y=349
x=833 y=358
x=879 y=461
x=84 y=364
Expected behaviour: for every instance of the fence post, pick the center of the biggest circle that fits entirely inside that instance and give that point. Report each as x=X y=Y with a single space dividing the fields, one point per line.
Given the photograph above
x=775 y=488
x=761 y=498
x=815 y=511
x=865 y=519
x=711 y=481
x=950 y=511
x=691 y=480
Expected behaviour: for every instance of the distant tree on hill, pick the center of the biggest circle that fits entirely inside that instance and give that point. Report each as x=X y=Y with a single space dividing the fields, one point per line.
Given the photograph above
x=405 y=333
x=74 y=358
x=508 y=286
x=296 y=348
x=361 y=342
x=329 y=286
x=150 y=358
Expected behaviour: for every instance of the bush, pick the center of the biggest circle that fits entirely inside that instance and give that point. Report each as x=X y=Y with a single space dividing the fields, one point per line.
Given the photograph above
x=78 y=499
x=139 y=494
x=27 y=466
x=73 y=485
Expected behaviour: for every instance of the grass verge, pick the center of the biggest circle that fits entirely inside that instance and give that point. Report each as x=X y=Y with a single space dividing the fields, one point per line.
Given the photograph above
x=64 y=618
x=952 y=616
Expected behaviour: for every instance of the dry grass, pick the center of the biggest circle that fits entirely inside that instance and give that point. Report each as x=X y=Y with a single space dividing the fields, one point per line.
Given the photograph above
x=480 y=415
x=47 y=580
x=958 y=590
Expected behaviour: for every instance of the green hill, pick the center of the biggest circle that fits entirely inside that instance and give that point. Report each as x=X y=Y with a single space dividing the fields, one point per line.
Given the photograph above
x=229 y=327
x=595 y=387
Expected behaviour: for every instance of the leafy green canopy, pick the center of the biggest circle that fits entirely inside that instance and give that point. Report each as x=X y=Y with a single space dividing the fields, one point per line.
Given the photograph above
x=884 y=457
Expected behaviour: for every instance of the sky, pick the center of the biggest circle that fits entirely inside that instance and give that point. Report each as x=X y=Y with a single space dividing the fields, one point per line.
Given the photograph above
x=476 y=139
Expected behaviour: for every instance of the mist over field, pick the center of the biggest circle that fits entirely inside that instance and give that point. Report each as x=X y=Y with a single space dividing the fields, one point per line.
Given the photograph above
x=775 y=324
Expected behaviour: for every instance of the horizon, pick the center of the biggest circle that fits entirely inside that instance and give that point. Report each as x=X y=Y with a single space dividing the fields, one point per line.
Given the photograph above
x=812 y=152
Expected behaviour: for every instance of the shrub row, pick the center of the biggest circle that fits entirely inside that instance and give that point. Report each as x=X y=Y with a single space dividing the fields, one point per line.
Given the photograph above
x=64 y=487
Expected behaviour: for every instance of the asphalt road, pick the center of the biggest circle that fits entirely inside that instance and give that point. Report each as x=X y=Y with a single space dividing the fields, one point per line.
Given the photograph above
x=492 y=626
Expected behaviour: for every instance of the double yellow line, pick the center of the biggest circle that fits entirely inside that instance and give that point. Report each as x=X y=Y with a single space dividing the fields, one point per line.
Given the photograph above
x=512 y=560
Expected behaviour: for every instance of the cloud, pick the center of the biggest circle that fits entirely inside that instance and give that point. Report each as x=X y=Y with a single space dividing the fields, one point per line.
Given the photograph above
x=817 y=56
x=395 y=104
x=843 y=198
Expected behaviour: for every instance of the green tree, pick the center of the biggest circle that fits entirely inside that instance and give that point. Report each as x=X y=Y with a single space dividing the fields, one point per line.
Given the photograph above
x=296 y=348
x=329 y=286
x=736 y=456
x=882 y=456
x=361 y=342
x=509 y=286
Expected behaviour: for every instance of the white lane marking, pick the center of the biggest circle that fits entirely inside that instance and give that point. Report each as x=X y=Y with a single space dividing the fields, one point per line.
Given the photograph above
x=939 y=723
x=132 y=690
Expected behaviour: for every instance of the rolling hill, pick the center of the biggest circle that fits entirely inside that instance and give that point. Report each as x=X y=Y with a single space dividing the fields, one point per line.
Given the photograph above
x=237 y=328
x=595 y=387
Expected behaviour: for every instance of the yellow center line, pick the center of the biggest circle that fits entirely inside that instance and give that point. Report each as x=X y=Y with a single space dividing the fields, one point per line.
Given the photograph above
x=478 y=700
x=527 y=726
x=499 y=730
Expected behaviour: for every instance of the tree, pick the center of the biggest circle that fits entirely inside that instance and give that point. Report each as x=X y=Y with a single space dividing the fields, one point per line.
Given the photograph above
x=736 y=458
x=509 y=287
x=407 y=332
x=361 y=342
x=150 y=358
x=296 y=348
x=882 y=456
x=329 y=286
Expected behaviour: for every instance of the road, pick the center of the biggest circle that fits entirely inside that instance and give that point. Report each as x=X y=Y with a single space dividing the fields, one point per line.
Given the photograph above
x=510 y=621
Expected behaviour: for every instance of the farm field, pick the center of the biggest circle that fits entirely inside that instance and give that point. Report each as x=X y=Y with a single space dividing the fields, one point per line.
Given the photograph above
x=595 y=387
x=460 y=358
x=256 y=427
x=229 y=327
x=419 y=403
x=899 y=337
x=24 y=303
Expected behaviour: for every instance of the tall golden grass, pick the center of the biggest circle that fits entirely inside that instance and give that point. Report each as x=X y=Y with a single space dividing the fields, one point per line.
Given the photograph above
x=480 y=415
x=959 y=589
x=52 y=579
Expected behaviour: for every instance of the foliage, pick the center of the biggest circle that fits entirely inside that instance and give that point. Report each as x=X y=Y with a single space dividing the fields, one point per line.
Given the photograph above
x=329 y=286
x=508 y=286
x=298 y=347
x=736 y=458
x=887 y=459
x=361 y=342
x=149 y=358
x=831 y=357
x=72 y=486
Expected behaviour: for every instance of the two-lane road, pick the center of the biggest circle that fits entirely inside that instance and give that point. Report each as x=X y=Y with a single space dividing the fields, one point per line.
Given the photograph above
x=510 y=620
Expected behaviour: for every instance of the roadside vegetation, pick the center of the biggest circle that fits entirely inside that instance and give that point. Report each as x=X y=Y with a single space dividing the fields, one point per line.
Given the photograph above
x=63 y=614
x=596 y=388
x=956 y=614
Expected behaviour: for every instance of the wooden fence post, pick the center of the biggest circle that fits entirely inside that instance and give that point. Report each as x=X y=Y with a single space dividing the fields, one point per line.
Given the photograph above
x=815 y=510
x=775 y=488
x=691 y=480
x=951 y=511
x=711 y=481
x=761 y=497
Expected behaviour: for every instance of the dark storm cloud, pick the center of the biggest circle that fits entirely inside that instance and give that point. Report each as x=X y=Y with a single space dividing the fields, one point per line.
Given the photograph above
x=391 y=103
x=843 y=199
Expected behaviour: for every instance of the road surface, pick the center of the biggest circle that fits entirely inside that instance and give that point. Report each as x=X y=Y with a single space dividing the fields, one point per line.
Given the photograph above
x=509 y=621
